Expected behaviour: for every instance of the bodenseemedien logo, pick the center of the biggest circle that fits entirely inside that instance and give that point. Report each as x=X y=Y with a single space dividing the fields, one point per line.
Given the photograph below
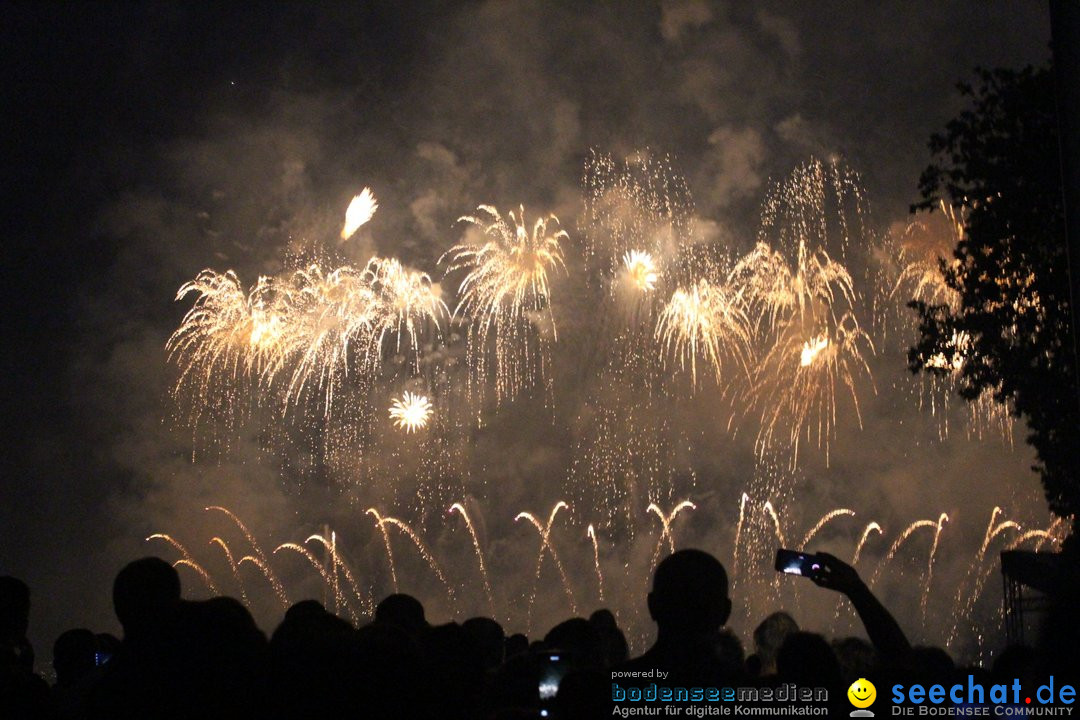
x=862 y=694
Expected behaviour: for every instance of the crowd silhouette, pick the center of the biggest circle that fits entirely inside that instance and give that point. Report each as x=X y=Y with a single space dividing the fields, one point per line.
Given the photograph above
x=208 y=659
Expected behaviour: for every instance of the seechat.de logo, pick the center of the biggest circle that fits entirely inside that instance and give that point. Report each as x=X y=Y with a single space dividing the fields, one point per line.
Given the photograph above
x=862 y=694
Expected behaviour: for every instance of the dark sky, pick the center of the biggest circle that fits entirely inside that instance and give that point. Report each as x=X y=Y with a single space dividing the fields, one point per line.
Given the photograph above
x=143 y=142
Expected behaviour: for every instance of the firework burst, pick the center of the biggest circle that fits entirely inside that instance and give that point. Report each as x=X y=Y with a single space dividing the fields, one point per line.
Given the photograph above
x=797 y=382
x=640 y=270
x=411 y=412
x=506 y=286
x=360 y=211
x=706 y=319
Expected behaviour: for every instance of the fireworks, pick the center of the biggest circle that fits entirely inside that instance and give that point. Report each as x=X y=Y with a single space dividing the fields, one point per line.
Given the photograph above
x=405 y=302
x=411 y=412
x=798 y=381
x=708 y=320
x=811 y=349
x=507 y=284
x=924 y=255
x=640 y=270
x=359 y=212
x=814 y=286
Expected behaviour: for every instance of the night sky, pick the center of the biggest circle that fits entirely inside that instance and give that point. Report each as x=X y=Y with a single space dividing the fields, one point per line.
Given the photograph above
x=145 y=142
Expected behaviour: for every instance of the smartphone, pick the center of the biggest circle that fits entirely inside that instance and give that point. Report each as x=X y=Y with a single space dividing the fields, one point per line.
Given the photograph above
x=798 y=563
x=553 y=668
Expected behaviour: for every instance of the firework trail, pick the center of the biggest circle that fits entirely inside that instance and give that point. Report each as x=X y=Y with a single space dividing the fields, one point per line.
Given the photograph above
x=232 y=566
x=900 y=540
x=506 y=288
x=548 y=548
x=665 y=526
x=738 y=534
x=591 y=533
x=825 y=520
x=930 y=564
x=386 y=544
x=962 y=608
x=187 y=561
x=421 y=548
x=870 y=527
x=460 y=509
x=339 y=565
x=261 y=562
x=320 y=568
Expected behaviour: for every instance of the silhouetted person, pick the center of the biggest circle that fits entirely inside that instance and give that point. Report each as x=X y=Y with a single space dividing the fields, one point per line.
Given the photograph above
x=455 y=671
x=689 y=603
x=516 y=644
x=221 y=656
x=145 y=678
x=579 y=640
x=311 y=654
x=403 y=611
x=857 y=658
x=884 y=632
x=769 y=635
x=75 y=655
x=489 y=637
x=612 y=639
x=807 y=660
x=389 y=679
x=22 y=693
x=146 y=593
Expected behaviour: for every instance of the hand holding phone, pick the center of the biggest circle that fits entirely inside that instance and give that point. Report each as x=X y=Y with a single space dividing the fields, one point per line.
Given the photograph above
x=798 y=563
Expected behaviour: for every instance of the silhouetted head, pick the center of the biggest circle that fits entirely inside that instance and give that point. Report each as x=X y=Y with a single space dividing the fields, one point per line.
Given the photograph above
x=856 y=656
x=689 y=594
x=305 y=609
x=488 y=636
x=769 y=636
x=516 y=644
x=806 y=659
x=580 y=638
x=74 y=655
x=144 y=593
x=403 y=611
x=612 y=639
x=14 y=610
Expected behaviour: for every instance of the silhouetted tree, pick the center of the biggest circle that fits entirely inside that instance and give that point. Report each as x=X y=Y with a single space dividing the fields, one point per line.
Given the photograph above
x=1000 y=158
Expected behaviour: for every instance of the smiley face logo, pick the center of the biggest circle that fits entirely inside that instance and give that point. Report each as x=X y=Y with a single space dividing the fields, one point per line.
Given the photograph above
x=862 y=693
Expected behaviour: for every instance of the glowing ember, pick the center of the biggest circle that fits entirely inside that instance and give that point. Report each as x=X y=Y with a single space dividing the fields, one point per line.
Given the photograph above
x=640 y=269
x=360 y=210
x=811 y=348
x=411 y=412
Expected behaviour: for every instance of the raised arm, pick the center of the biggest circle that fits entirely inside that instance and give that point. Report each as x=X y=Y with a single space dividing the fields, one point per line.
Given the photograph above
x=884 y=631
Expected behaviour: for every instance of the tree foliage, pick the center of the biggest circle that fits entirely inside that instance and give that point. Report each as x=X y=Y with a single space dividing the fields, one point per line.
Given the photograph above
x=999 y=158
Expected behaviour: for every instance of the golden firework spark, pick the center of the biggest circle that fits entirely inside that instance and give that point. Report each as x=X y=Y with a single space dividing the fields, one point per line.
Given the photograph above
x=707 y=319
x=359 y=212
x=507 y=282
x=406 y=302
x=797 y=381
x=811 y=349
x=411 y=412
x=925 y=253
x=640 y=270
x=779 y=291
